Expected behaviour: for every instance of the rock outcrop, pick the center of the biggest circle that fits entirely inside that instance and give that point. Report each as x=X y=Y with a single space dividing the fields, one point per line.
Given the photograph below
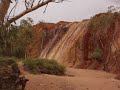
x=93 y=44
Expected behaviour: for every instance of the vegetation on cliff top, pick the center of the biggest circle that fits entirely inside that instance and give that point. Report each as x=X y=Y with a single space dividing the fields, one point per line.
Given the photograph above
x=101 y=21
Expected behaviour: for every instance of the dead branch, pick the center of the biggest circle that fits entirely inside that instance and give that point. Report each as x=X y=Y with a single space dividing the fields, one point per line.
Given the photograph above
x=12 y=10
x=27 y=11
x=45 y=8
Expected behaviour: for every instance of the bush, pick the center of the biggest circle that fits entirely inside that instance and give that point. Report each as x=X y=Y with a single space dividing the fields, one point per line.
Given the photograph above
x=44 y=66
x=96 y=54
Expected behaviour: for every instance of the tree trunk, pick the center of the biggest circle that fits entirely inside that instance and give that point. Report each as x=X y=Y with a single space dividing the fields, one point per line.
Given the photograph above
x=4 y=6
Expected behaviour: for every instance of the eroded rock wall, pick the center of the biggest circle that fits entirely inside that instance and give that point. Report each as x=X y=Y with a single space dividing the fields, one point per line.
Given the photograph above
x=93 y=44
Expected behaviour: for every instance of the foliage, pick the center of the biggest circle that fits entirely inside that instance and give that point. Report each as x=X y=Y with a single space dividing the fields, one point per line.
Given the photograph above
x=44 y=66
x=101 y=21
x=96 y=54
x=13 y=41
x=112 y=9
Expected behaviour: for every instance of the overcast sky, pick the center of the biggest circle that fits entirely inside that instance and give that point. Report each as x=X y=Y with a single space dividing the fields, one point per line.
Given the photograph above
x=76 y=10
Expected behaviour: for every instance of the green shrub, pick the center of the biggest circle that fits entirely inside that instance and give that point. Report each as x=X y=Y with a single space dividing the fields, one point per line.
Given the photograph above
x=44 y=66
x=96 y=54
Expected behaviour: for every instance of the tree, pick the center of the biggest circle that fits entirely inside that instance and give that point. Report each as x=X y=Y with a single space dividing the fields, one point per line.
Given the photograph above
x=30 y=6
x=17 y=39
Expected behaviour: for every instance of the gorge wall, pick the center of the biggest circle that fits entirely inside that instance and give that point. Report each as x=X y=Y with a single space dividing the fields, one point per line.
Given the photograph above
x=93 y=44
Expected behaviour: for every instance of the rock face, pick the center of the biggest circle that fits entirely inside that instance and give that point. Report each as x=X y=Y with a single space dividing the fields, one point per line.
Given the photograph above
x=101 y=43
x=93 y=44
x=43 y=34
x=67 y=48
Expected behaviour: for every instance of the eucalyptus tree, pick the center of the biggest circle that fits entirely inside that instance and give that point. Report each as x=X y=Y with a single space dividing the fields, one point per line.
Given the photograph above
x=14 y=39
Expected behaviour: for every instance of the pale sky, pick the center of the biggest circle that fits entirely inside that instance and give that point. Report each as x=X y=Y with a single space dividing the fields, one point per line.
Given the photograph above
x=76 y=10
